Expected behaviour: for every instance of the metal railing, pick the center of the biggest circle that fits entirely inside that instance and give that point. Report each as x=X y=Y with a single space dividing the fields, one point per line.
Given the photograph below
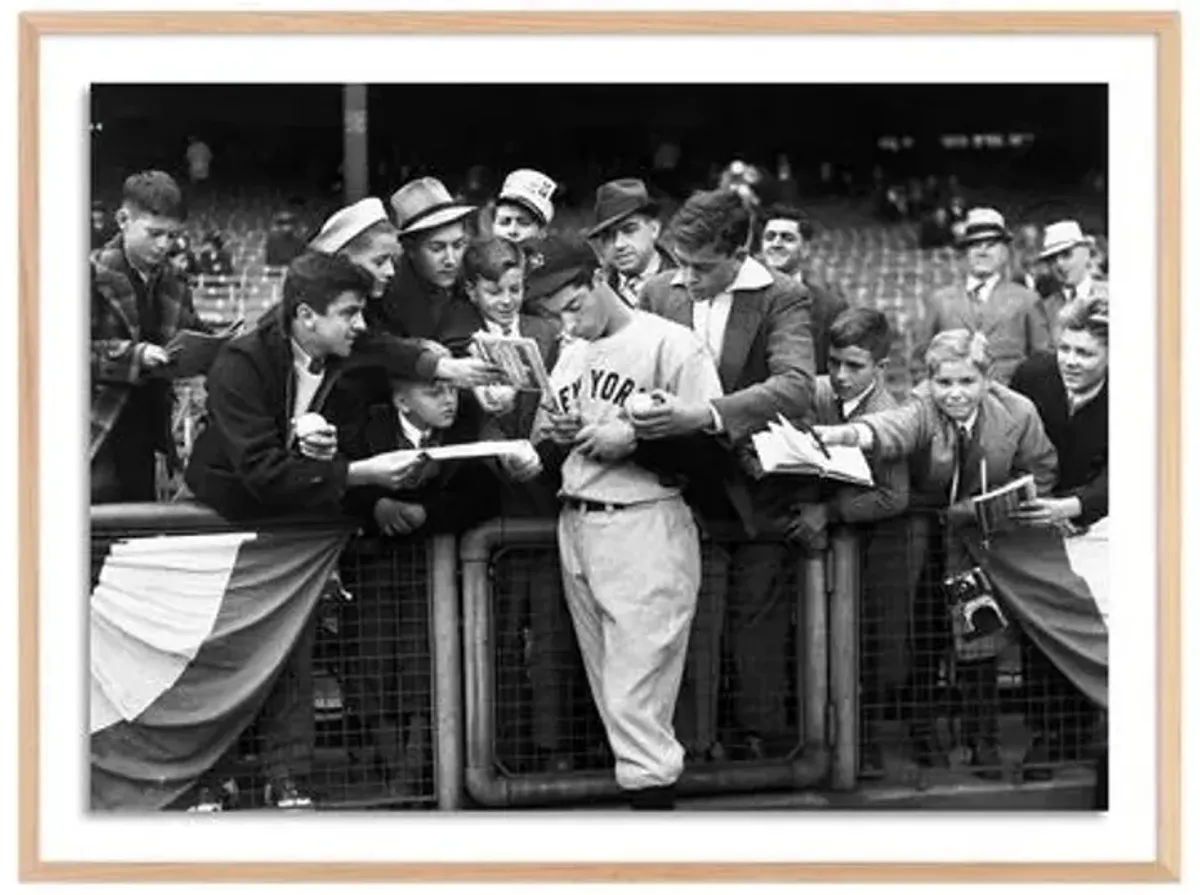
x=470 y=654
x=825 y=688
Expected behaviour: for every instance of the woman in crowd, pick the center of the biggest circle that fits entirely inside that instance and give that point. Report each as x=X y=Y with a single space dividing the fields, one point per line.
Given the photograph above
x=1070 y=390
x=964 y=433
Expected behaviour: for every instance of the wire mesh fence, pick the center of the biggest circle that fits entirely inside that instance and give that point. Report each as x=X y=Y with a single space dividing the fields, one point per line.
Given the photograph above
x=935 y=710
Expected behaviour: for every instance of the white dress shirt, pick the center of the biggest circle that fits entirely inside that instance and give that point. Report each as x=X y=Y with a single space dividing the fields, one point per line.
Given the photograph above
x=306 y=383
x=848 y=407
x=416 y=436
x=984 y=286
x=710 y=318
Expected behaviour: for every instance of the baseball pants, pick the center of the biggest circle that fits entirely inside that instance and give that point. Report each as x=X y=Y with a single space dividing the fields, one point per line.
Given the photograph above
x=631 y=577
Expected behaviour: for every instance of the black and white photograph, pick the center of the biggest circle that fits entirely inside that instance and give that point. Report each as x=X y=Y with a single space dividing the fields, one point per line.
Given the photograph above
x=625 y=611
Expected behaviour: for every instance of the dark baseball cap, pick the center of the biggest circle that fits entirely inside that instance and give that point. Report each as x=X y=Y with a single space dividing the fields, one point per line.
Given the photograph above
x=553 y=261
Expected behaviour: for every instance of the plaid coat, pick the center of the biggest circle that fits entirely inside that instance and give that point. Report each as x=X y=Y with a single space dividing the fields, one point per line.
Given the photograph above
x=118 y=345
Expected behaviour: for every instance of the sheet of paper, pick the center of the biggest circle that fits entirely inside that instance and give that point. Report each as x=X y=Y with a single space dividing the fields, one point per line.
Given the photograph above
x=470 y=450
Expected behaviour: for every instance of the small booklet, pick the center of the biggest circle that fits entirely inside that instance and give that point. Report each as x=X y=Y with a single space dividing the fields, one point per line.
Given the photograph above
x=520 y=359
x=192 y=352
x=782 y=448
x=994 y=508
x=471 y=450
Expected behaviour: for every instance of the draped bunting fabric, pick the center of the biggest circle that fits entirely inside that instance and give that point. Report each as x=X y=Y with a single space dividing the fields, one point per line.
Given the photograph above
x=188 y=632
x=1032 y=573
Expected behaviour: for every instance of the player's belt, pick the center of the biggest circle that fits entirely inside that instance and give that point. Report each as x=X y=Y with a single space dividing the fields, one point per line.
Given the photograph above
x=593 y=506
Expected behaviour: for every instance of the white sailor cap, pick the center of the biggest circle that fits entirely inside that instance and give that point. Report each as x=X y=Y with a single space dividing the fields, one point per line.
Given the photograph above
x=347 y=223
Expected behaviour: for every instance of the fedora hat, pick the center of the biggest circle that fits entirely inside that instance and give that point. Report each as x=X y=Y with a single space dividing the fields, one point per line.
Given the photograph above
x=1060 y=237
x=425 y=204
x=984 y=224
x=617 y=200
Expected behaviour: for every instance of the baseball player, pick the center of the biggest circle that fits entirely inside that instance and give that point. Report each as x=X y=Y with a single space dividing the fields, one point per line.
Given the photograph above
x=628 y=544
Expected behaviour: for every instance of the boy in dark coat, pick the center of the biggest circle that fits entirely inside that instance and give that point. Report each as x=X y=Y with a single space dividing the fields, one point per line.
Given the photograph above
x=388 y=622
x=266 y=452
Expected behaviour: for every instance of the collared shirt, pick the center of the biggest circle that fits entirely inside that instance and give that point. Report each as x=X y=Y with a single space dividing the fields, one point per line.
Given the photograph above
x=848 y=407
x=513 y=331
x=307 y=382
x=968 y=423
x=711 y=317
x=1075 y=402
x=982 y=289
x=1083 y=289
x=629 y=287
x=416 y=436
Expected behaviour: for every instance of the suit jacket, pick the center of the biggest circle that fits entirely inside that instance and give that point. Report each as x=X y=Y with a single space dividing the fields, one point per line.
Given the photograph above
x=766 y=365
x=827 y=304
x=455 y=496
x=1050 y=304
x=666 y=262
x=766 y=369
x=242 y=464
x=411 y=307
x=1080 y=439
x=889 y=497
x=118 y=342
x=1009 y=318
x=1008 y=435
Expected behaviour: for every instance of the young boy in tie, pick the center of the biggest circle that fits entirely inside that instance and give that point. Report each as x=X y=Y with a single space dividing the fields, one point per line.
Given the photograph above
x=388 y=621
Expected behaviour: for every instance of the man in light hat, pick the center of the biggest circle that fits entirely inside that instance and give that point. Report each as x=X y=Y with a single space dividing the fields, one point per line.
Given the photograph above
x=524 y=207
x=627 y=229
x=362 y=233
x=426 y=299
x=1068 y=252
x=986 y=301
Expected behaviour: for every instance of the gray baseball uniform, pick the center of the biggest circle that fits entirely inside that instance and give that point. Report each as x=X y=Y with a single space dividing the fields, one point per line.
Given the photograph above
x=631 y=572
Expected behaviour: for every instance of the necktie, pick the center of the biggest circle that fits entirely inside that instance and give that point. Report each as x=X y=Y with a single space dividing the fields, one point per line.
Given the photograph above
x=976 y=289
x=316 y=366
x=1069 y=293
x=962 y=446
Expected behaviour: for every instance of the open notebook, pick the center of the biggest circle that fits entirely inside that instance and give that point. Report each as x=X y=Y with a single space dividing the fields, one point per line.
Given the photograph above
x=993 y=508
x=782 y=448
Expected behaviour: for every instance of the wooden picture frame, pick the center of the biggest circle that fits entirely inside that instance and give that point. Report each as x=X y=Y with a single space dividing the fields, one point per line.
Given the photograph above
x=1163 y=27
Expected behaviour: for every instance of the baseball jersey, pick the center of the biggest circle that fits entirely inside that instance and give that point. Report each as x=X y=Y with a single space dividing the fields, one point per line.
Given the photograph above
x=595 y=379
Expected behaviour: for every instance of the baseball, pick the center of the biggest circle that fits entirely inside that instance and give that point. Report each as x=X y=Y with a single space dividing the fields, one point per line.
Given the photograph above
x=310 y=424
x=639 y=403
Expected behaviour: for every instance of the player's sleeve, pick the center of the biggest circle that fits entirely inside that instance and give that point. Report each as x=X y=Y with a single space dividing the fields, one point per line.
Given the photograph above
x=691 y=373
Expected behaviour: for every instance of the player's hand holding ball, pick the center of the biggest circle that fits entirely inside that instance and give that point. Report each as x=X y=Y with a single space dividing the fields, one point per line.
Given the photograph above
x=666 y=415
x=523 y=463
x=315 y=437
x=606 y=442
